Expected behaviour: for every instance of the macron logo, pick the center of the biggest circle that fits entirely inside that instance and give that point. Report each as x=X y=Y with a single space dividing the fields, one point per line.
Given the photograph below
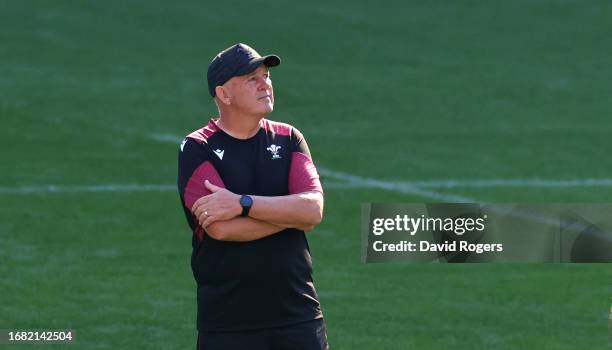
x=219 y=153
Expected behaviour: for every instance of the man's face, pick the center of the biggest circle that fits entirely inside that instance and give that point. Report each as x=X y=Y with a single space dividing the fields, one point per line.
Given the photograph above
x=252 y=93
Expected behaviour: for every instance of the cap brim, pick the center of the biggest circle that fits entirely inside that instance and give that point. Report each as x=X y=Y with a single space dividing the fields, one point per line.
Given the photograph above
x=271 y=60
x=268 y=61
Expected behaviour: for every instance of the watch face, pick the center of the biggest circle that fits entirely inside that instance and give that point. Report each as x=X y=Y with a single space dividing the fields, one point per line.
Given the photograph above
x=246 y=201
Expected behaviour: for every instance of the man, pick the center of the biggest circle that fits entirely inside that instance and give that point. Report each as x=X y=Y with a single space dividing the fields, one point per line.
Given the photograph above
x=250 y=190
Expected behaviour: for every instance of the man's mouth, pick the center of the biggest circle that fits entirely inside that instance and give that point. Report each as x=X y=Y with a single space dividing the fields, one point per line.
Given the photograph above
x=266 y=96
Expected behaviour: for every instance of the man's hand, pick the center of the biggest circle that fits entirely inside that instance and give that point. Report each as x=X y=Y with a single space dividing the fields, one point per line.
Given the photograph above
x=220 y=205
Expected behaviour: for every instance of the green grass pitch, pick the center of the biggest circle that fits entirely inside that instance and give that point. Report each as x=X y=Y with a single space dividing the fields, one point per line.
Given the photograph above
x=96 y=92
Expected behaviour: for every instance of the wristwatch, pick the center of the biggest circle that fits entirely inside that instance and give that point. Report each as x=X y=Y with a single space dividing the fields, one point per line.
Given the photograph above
x=246 y=202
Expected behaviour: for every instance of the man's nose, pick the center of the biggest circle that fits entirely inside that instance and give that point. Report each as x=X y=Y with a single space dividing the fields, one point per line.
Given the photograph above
x=264 y=84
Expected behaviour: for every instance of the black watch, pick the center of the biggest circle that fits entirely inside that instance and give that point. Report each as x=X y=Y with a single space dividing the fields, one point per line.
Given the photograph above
x=246 y=202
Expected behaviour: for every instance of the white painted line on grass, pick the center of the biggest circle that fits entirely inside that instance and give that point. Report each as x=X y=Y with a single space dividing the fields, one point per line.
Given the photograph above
x=166 y=138
x=86 y=188
x=116 y=188
x=497 y=183
x=401 y=187
x=124 y=188
x=505 y=183
x=341 y=181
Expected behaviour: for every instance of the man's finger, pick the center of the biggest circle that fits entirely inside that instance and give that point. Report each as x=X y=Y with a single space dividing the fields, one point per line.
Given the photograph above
x=209 y=220
x=212 y=188
x=201 y=201
x=198 y=210
x=203 y=213
x=201 y=217
x=195 y=205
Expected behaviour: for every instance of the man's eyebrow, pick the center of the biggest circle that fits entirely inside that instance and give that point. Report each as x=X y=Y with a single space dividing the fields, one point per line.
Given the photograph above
x=267 y=71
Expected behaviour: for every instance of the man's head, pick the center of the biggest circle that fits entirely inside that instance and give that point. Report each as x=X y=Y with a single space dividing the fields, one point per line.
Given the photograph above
x=238 y=76
x=236 y=60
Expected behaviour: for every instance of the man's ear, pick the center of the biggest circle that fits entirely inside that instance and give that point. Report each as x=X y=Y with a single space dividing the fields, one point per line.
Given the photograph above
x=223 y=95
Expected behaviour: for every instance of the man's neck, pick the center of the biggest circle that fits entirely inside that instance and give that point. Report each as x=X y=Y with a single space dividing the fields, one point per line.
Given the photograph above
x=239 y=126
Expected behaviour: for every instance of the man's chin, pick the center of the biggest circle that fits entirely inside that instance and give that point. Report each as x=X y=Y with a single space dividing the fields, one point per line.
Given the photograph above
x=264 y=108
x=269 y=108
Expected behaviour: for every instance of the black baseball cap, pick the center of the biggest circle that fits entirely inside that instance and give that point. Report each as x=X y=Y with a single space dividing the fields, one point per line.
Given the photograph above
x=234 y=61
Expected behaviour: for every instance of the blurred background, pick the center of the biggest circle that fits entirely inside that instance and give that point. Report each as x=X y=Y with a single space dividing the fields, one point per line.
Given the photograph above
x=400 y=101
